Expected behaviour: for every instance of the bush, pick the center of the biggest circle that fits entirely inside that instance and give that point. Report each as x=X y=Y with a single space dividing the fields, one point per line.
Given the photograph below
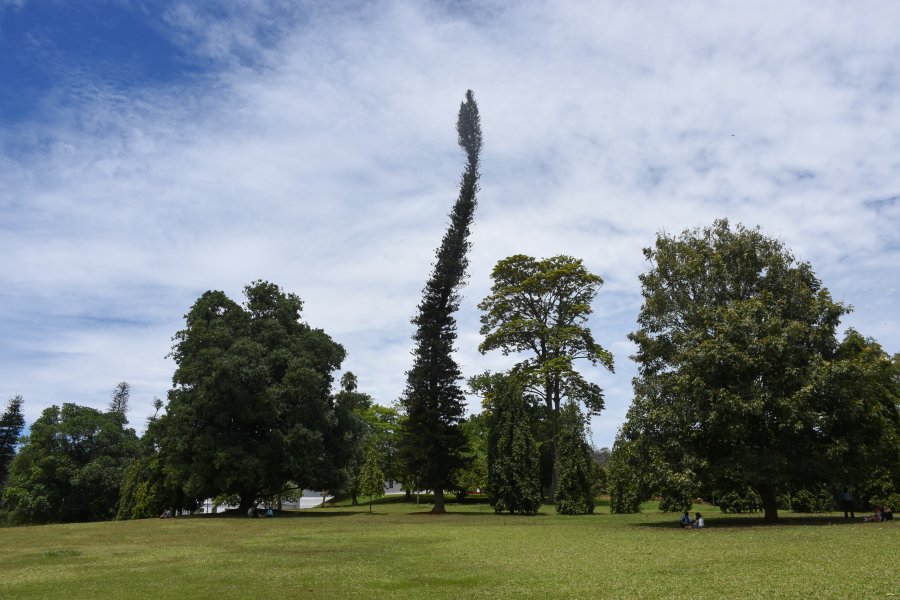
x=806 y=501
x=738 y=502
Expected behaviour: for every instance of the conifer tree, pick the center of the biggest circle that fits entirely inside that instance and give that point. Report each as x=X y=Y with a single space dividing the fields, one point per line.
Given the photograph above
x=432 y=442
x=11 y=424
x=573 y=462
x=513 y=466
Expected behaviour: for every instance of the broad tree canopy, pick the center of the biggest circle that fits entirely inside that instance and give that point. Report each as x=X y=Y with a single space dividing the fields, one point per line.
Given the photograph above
x=736 y=347
x=251 y=407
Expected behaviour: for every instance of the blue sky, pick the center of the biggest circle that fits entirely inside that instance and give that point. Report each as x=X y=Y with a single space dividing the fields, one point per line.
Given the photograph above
x=150 y=151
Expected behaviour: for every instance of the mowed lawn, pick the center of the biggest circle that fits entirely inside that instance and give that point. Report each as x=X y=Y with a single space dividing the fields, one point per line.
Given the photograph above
x=400 y=552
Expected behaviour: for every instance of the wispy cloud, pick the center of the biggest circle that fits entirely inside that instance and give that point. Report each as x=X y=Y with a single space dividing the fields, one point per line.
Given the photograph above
x=315 y=147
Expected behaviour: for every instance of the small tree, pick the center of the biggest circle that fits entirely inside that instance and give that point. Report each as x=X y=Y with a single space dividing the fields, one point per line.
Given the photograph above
x=118 y=404
x=573 y=463
x=371 y=477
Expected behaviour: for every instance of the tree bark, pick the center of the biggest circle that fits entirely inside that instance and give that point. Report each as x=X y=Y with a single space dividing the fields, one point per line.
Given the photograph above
x=247 y=501
x=770 y=503
x=438 y=502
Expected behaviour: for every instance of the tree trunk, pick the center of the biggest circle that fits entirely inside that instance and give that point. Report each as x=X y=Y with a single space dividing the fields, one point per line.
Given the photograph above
x=353 y=500
x=438 y=502
x=247 y=501
x=770 y=503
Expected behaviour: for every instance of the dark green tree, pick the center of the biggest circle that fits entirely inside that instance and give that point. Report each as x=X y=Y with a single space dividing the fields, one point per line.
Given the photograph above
x=251 y=408
x=432 y=443
x=513 y=460
x=540 y=308
x=351 y=406
x=735 y=344
x=624 y=477
x=69 y=467
x=11 y=424
x=857 y=395
x=146 y=491
x=474 y=474
x=574 y=489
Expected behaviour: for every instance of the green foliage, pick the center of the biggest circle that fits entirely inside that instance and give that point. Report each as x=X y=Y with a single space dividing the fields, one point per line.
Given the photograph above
x=350 y=407
x=542 y=307
x=738 y=501
x=11 y=424
x=69 y=467
x=371 y=477
x=601 y=463
x=812 y=501
x=624 y=477
x=573 y=459
x=432 y=444
x=251 y=405
x=741 y=379
x=512 y=457
x=474 y=475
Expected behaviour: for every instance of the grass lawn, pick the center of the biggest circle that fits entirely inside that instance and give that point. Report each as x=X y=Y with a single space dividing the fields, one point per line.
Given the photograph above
x=401 y=552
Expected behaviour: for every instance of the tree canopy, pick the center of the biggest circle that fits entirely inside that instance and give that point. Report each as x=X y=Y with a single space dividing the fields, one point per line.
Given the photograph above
x=735 y=346
x=70 y=466
x=251 y=408
x=432 y=443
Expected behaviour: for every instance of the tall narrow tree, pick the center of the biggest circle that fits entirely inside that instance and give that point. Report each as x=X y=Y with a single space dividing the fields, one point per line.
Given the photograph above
x=432 y=442
x=11 y=424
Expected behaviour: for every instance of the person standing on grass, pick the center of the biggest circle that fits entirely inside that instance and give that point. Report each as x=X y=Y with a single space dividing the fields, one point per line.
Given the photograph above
x=698 y=522
x=847 y=503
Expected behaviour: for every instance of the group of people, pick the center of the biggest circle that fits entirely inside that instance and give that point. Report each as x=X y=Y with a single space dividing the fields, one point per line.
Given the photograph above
x=687 y=523
x=881 y=512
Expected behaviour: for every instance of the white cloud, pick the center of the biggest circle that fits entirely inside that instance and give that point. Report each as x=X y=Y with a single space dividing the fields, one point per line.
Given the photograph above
x=319 y=153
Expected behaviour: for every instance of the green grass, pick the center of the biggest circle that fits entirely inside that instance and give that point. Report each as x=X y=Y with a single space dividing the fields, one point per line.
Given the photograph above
x=400 y=552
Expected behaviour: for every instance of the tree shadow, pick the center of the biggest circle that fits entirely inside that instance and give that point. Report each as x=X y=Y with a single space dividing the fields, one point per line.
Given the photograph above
x=726 y=522
x=278 y=514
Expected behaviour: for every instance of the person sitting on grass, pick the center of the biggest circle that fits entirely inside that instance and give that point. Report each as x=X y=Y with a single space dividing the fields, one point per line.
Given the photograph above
x=874 y=517
x=698 y=522
x=685 y=520
x=887 y=514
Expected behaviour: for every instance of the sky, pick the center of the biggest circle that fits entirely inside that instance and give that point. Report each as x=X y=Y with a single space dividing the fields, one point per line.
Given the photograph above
x=150 y=151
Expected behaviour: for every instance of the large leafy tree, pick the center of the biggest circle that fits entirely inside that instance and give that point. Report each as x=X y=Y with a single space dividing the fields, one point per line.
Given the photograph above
x=70 y=466
x=512 y=454
x=251 y=408
x=432 y=444
x=539 y=309
x=11 y=424
x=734 y=345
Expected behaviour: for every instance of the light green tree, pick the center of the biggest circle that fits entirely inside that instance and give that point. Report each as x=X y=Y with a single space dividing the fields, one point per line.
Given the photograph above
x=371 y=477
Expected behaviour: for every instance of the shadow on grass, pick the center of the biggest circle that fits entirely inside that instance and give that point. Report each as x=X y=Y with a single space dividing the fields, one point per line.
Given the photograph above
x=726 y=522
x=279 y=514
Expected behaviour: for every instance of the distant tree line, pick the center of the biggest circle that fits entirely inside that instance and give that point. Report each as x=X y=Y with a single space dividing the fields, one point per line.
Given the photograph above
x=745 y=396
